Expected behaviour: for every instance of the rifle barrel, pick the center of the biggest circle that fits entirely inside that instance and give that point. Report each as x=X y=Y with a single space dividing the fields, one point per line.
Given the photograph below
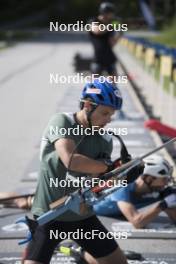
x=136 y=160
x=158 y=148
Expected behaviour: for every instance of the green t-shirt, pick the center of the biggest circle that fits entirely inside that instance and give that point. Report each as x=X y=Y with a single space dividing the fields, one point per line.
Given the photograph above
x=53 y=172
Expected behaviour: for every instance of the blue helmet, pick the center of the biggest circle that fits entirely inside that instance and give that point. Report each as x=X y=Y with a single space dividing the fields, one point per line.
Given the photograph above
x=103 y=93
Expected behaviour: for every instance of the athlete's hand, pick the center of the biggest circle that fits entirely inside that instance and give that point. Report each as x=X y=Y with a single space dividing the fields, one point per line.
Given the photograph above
x=109 y=164
x=112 y=165
x=168 y=202
x=167 y=191
x=132 y=173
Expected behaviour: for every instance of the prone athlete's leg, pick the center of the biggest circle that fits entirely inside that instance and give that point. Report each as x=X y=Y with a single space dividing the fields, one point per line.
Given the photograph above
x=31 y=262
x=110 y=259
x=116 y=257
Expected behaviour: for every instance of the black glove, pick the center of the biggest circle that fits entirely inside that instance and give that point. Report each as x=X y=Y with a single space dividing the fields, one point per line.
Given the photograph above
x=112 y=165
x=109 y=164
x=167 y=191
x=131 y=175
x=134 y=173
x=168 y=202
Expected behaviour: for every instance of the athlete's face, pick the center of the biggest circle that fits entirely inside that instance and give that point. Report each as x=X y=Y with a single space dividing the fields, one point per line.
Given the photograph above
x=156 y=183
x=108 y=17
x=102 y=116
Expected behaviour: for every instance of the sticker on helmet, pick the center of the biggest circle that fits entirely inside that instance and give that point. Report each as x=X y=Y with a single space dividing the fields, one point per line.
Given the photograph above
x=93 y=91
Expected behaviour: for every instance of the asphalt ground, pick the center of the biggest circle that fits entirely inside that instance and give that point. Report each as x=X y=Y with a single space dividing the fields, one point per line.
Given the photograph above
x=27 y=101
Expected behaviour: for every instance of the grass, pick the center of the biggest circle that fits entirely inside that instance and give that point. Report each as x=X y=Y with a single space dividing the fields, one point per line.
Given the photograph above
x=15 y=35
x=167 y=36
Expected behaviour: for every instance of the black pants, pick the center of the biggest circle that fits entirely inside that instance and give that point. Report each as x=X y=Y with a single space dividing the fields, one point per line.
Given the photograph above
x=44 y=242
x=98 y=68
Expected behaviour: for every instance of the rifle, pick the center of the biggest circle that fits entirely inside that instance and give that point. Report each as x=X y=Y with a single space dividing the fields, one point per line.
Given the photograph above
x=80 y=200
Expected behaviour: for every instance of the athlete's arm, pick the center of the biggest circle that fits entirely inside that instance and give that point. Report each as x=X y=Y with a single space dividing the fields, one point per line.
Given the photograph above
x=80 y=163
x=171 y=212
x=96 y=30
x=138 y=219
x=115 y=38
